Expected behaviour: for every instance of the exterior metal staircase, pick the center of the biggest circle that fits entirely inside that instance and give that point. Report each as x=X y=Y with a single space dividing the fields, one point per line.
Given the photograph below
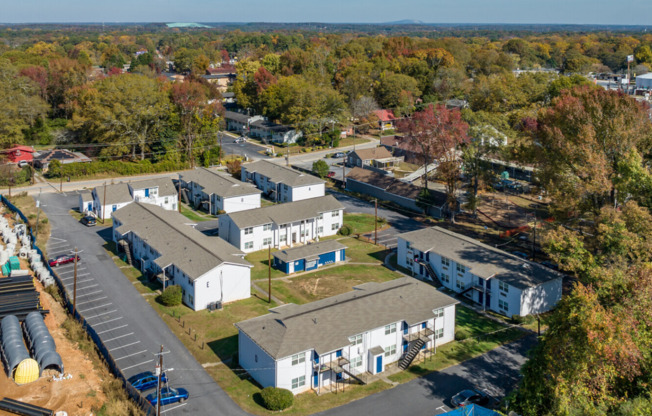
x=413 y=350
x=431 y=272
x=126 y=247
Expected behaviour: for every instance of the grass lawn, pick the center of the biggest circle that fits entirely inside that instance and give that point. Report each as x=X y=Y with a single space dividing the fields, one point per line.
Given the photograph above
x=194 y=215
x=259 y=260
x=363 y=223
x=474 y=336
x=394 y=264
x=360 y=251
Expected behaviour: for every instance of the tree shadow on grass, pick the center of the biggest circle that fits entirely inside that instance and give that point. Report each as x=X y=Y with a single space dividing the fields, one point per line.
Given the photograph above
x=226 y=349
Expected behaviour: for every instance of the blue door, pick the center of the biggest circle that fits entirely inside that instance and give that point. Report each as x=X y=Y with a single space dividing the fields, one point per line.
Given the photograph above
x=147 y=193
x=379 y=364
x=90 y=206
x=315 y=379
x=420 y=268
x=338 y=353
x=488 y=300
x=423 y=325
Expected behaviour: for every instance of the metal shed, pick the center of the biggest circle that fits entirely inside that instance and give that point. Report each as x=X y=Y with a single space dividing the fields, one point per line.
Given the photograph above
x=309 y=257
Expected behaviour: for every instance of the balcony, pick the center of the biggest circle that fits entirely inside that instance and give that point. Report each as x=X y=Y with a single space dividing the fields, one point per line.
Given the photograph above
x=146 y=199
x=424 y=334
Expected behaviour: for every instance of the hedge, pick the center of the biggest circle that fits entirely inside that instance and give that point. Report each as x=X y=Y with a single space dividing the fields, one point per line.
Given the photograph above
x=171 y=296
x=112 y=167
x=345 y=230
x=276 y=399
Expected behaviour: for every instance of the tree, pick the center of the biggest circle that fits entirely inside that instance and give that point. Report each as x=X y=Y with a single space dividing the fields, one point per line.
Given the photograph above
x=362 y=107
x=320 y=168
x=485 y=139
x=398 y=91
x=436 y=133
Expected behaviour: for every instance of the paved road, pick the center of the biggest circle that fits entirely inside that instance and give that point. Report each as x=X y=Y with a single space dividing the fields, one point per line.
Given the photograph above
x=128 y=326
x=496 y=373
x=249 y=149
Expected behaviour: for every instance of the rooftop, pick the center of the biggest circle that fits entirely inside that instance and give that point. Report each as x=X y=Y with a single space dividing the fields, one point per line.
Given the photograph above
x=308 y=251
x=326 y=325
x=282 y=174
x=116 y=193
x=177 y=242
x=218 y=183
x=482 y=260
x=164 y=185
x=393 y=185
x=287 y=212
x=385 y=115
x=239 y=117
x=375 y=153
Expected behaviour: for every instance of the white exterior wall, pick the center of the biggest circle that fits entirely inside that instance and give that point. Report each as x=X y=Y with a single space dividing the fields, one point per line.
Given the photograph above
x=541 y=298
x=239 y=203
x=286 y=193
x=255 y=361
x=168 y=202
x=105 y=211
x=285 y=372
x=306 y=192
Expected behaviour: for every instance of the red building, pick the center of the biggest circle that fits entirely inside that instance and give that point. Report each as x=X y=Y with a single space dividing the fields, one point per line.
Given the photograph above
x=17 y=154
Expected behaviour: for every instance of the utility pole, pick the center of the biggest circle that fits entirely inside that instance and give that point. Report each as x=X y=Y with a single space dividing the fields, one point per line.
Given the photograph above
x=159 y=374
x=287 y=158
x=534 y=239
x=38 y=213
x=375 y=221
x=269 y=273
x=179 y=192
x=74 y=286
x=61 y=182
x=220 y=152
x=104 y=204
x=343 y=170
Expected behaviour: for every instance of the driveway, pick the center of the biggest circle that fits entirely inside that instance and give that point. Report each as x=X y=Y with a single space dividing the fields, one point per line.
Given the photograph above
x=496 y=373
x=127 y=325
x=247 y=148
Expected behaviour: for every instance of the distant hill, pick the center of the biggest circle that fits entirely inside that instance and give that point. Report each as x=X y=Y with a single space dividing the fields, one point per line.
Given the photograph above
x=405 y=22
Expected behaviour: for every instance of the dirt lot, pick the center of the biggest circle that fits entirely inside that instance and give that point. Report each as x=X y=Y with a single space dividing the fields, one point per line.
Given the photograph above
x=77 y=395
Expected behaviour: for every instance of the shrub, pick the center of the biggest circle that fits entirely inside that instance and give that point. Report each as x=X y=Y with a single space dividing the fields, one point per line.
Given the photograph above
x=345 y=230
x=171 y=296
x=276 y=399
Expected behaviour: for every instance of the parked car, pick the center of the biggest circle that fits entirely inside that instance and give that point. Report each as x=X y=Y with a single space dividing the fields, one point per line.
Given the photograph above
x=169 y=395
x=331 y=174
x=89 y=221
x=239 y=140
x=339 y=154
x=23 y=163
x=520 y=254
x=470 y=396
x=146 y=380
x=64 y=259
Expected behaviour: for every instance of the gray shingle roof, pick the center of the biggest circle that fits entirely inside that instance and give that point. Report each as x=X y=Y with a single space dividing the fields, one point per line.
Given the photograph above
x=218 y=183
x=282 y=174
x=482 y=260
x=309 y=250
x=117 y=193
x=86 y=196
x=165 y=186
x=239 y=117
x=177 y=242
x=286 y=213
x=373 y=154
x=325 y=325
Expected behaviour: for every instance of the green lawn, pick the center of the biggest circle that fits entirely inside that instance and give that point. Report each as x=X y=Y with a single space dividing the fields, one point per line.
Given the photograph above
x=194 y=215
x=360 y=251
x=259 y=260
x=363 y=223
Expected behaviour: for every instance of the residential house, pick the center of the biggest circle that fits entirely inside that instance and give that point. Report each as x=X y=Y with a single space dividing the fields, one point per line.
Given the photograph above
x=494 y=279
x=281 y=183
x=219 y=192
x=42 y=159
x=352 y=336
x=86 y=202
x=107 y=199
x=401 y=147
x=386 y=119
x=282 y=225
x=239 y=122
x=378 y=157
x=208 y=270
x=272 y=132
x=18 y=154
x=309 y=257
x=386 y=188
x=222 y=77
x=160 y=192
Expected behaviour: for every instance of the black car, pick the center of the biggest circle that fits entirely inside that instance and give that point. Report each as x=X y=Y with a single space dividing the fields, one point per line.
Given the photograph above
x=89 y=221
x=470 y=396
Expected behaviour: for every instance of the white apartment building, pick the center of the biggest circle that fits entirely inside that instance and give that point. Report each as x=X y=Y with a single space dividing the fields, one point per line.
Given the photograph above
x=209 y=270
x=495 y=279
x=219 y=191
x=282 y=225
x=160 y=192
x=354 y=335
x=281 y=183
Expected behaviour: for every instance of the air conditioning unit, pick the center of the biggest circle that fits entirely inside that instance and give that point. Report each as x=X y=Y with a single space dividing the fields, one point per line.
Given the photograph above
x=211 y=306
x=218 y=305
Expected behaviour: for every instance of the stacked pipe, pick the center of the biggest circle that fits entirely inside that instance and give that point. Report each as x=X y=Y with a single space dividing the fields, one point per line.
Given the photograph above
x=19 y=297
x=41 y=343
x=18 y=363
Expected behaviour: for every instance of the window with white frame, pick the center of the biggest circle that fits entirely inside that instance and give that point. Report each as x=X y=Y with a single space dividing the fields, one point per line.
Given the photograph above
x=335 y=226
x=320 y=216
x=320 y=230
x=504 y=287
x=282 y=237
x=445 y=278
x=283 y=226
x=335 y=214
x=249 y=230
x=502 y=305
x=356 y=362
x=391 y=350
x=267 y=241
x=298 y=359
x=298 y=382
x=439 y=312
x=390 y=329
x=267 y=227
x=166 y=200
x=355 y=340
x=459 y=284
x=248 y=244
x=445 y=262
x=439 y=333
x=460 y=268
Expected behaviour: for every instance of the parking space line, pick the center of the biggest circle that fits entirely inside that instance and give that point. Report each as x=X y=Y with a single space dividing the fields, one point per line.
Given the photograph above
x=92 y=300
x=130 y=355
x=92 y=293
x=121 y=336
x=54 y=253
x=124 y=346
x=127 y=368
x=78 y=276
x=112 y=329
x=101 y=314
x=80 y=281
x=110 y=320
x=172 y=408
x=97 y=307
x=79 y=269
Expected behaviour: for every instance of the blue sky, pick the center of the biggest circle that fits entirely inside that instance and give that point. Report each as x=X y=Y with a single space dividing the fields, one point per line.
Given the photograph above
x=631 y=12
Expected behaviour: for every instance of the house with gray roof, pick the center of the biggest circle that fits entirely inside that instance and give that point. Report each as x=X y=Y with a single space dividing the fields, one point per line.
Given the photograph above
x=109 y=198
x=493 y=278
x=239 y=122
x=217 y=191
x=351 y=336
x=309 y=257
x=157 y=191
x=269 y=131
x=208 y=269
x=281 y=183
x=282 y=225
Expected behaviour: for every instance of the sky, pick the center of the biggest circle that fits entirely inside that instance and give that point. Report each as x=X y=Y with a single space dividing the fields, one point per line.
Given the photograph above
x=623 y=12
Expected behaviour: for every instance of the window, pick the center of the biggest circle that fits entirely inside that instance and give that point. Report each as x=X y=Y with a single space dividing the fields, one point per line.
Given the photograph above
x=248 y=245
x=282 y=226
x=335 y=214
x=249 y=230
x=298 y=382
x=267 y=241
x=267 y=227
x=356 y=362
x=166 y=200
x=298 y=359
x=460 y=268
x=320 y=216
x=391 y=350
x=445 y=262
x=439 y=312
x=459 y=284
x=502 y=305
x=355 y=340
x=256 y=357
x=390 y=329
x=335 y=226
x=446 y=278
x=504 y=287
x=304 y=232
x=320 y=230
x=439 y=333
x=283 y=238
